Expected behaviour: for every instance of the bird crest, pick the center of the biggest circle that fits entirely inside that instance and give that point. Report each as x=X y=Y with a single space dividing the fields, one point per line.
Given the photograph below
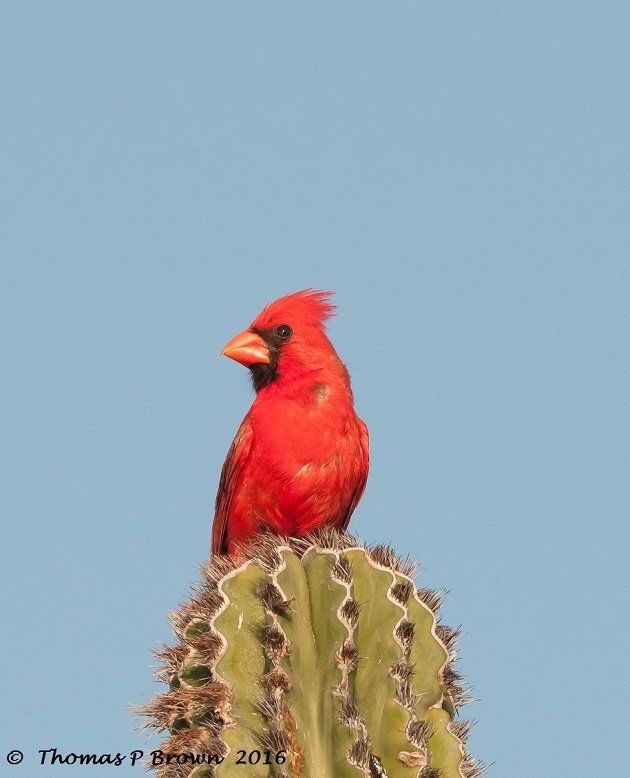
x=309 y=307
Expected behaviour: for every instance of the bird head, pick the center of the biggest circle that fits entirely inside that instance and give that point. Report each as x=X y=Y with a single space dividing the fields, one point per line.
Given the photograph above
x=287 y=339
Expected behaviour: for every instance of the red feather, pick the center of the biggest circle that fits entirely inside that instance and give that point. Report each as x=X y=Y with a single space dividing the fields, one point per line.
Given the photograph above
x=300 y=457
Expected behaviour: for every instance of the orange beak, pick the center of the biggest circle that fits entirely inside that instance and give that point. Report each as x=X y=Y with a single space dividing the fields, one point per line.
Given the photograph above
x=248 y=348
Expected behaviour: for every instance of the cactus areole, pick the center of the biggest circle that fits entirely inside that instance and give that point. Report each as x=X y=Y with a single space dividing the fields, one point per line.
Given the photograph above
x=315 y=658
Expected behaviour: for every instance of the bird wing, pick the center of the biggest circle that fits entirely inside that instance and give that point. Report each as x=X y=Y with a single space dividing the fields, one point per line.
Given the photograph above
x=361 y=481
x=230 y=474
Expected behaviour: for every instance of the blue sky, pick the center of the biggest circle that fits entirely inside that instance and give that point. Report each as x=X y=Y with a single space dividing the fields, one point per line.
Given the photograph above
x=459 y=176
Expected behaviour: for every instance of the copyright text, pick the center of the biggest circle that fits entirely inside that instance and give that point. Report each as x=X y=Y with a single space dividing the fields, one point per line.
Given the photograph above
x=52 y=756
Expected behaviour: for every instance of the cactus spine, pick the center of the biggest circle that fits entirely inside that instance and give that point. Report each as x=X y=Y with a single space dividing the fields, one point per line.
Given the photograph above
x=316 y=658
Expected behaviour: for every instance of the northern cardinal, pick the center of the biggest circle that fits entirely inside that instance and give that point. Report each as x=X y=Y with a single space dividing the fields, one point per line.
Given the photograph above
x=300 y=457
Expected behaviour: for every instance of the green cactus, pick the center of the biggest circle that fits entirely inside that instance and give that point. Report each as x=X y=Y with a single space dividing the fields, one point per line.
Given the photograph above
x=316 y=658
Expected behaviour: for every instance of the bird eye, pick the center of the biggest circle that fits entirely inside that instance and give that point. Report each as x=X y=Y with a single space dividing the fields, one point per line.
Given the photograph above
x=284 y=332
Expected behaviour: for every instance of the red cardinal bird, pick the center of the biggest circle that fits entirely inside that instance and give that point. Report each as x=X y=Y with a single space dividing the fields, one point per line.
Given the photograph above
x=300 y=457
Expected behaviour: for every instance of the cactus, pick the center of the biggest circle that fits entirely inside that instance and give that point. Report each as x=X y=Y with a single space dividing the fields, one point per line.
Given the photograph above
x=316 y=658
